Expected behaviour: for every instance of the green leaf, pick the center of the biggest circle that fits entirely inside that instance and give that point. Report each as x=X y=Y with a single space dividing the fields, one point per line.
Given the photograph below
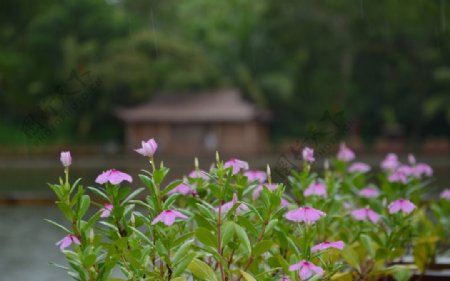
x=368 y=244
x=351 y=257
x=133 y=194
x=247 y=276
x=91 y=221
x=243 y=237
x=85 y=202
x=170 y=187
x=181 y=252
x=227 y=232
x=58 y=225
x=201 y=270
x=206 y=237
x=261 y=247
x=66 y=210
x=98 y=192
x=179 y=279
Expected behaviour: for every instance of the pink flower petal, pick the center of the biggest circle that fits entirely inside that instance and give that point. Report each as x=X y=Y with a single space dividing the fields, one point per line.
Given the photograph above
x=236 y=165
x=307 y=215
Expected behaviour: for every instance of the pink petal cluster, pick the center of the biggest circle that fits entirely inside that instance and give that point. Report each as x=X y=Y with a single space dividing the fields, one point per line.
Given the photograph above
x=325 y=245
x=445 y=194
x=365 y=214
x=148 y=148
x=182 y=188
x=259 y=188
x=66 y=158
x=113 y=176
x=390 y=162
x=422 y=169
x=307 y=215
x=403 y=205
x=67 y=241
x=168 y=217
x=400 y=174
x=284 y=278
x=306 y=269
x=284 y=202
x=316 y=188
x=345 y=154
x=359 y=167
x=308 y=154
x=258 y=176
x=236 y=165
x=198 y=174
x=229 y=205
x=106 y=210
x=369 y=192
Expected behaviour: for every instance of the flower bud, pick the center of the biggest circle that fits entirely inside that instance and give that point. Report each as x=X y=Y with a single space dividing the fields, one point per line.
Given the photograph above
x=66 y=158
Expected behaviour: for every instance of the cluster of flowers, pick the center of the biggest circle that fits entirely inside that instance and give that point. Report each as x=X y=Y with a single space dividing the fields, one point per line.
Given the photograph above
x=298 y=213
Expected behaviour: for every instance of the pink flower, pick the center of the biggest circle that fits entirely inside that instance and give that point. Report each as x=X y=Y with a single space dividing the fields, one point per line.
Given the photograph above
x=359 y=167
x=66 y=159
x=259 y=188
x=148 y=148
x=306 y=269
x=325 y=245
x=390 y=162
x=284 y=202
x=236 y=165
x=106 y=210
x=182 y=188
x=369 y=192
x=258 y=176
x=308 y=154
x=364 y=214
x=229 y=205
x=400 y=175
x=422 y=169
x=403 y=205
x=307 y=215
x=446 y=194
x=113 y=176
x=168 y=217
x=285 y=278
x=67 y=241
x=316 y=188
x=198 y=175
x=345 y=154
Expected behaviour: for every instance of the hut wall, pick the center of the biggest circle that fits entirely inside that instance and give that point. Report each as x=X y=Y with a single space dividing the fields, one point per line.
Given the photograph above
x=200 y=138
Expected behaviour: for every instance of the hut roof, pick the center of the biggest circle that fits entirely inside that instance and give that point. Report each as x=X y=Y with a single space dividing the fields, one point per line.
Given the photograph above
x=224 y=105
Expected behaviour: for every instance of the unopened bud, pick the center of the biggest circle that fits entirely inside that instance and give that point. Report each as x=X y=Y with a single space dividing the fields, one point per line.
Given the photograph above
x=217 y=157
x=326 y=164
x=91 y=236
x=196 y=164
x=132 y=219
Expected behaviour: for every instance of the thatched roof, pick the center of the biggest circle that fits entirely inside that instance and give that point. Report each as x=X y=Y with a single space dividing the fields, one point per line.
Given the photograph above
x=216 y=106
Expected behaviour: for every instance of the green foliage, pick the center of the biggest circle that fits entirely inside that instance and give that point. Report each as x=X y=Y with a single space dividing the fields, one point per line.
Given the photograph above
x=232 y=227
x=377 y=62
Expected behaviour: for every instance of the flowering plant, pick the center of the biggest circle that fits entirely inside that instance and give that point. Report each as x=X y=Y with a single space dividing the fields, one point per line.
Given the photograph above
x=231 y=223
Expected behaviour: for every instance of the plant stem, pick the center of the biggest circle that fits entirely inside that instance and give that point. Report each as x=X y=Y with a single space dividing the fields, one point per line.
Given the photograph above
x=219 y=246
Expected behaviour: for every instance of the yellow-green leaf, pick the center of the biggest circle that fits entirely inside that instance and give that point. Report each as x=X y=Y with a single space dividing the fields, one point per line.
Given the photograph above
x=201 y=270
x=247 y=276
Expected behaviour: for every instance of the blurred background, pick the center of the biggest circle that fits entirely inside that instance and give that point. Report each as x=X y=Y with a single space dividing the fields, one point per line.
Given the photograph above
x=257 y=80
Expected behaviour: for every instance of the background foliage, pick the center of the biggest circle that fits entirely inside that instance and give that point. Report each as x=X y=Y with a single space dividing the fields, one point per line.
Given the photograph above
x=382 y=63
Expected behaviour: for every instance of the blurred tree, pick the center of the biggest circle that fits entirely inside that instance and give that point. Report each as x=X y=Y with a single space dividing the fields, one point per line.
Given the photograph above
x=381 y=63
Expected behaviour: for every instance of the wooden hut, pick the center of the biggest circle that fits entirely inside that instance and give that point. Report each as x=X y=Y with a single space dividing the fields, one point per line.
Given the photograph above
x=194 y=124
